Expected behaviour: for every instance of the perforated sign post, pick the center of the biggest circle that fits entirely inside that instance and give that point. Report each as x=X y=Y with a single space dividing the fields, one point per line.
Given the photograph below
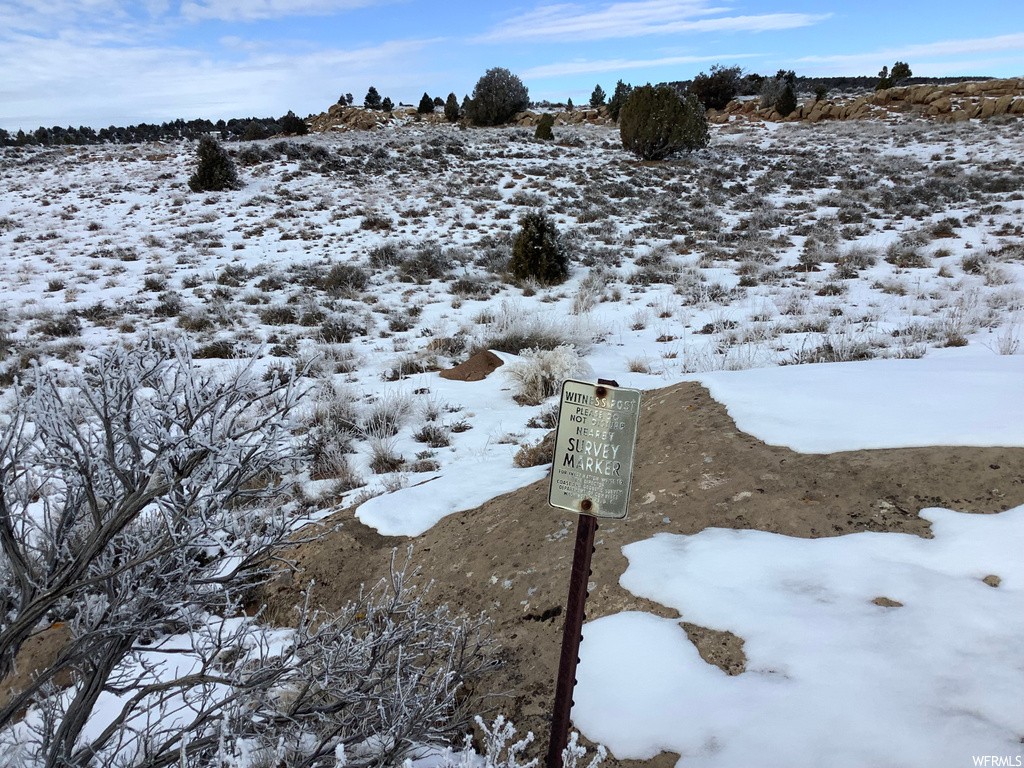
x=590 y=475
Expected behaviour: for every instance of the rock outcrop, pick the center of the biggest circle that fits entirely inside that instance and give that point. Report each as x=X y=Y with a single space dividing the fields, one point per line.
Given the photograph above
x=946 y=103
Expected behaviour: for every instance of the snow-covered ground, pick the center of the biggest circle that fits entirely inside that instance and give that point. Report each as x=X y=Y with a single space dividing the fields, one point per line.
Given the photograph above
x=360 y=259
x=366 y=262
x=832 y=678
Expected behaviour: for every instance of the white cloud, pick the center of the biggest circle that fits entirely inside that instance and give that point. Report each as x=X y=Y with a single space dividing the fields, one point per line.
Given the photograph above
x=571 y=22
x=612 y=65
x=251 y=10
x=33 y=16
x=858 y=61
x=58 y=82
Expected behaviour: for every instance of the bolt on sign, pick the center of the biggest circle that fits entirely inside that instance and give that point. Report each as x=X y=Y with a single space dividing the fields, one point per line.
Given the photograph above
x=594 y=442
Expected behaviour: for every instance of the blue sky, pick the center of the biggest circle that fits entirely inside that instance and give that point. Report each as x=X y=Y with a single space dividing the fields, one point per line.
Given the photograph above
x=112 y=62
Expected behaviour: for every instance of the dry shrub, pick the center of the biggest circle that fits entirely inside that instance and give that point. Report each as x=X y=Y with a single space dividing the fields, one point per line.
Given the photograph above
x=541 y=452
x=539 y=373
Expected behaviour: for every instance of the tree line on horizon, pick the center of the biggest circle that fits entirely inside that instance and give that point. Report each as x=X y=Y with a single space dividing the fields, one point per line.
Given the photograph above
x=497 y=97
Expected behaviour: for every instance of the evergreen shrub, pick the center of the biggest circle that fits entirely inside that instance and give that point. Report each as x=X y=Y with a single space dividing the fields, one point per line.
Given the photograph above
x=656 y=122
x=538 y=251
x=544 y=127
x=497 y=97
x=216 y=171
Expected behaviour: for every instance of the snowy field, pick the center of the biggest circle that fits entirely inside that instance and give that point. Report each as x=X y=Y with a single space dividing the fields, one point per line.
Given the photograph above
x=361 y=259
x=838 y=287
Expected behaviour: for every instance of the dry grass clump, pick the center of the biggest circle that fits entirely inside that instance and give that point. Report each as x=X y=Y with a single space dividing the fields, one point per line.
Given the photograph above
x=541 y=452
x=539 y=373
x=513 y=329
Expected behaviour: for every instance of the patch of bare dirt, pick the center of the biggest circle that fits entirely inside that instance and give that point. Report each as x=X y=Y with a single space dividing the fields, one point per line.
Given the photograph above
x=693 y=470
x=478 y=367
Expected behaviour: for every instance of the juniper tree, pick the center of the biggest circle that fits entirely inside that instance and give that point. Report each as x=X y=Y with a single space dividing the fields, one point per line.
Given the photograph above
x=426 y=106
x=451 y=108
x=717 y=89
x=538 y=251
x=597 y=98
x=787 y=101
x=497 y=96
x=656 y=122
x=215 y=170
x=900 y=72
x=372 y=99
x=387 y=105
x=544 y=126
x=294 y=125
x=622 y=91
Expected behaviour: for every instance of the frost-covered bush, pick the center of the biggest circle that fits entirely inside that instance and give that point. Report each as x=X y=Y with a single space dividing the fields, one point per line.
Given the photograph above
x=331 y=427
x=345 y=278
x=772 y=88
x=539 y=373
x=128 y=491
x=143 y=507
x=501 y=750
x=215 y=171
x=538 y=251
x=428 y=262
x=656 y=122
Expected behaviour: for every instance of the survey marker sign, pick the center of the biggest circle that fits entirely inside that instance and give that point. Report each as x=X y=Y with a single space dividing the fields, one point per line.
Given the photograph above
x=593 y=464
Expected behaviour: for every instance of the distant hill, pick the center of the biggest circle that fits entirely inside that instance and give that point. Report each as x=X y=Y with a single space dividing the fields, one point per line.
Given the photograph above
x=860 y=84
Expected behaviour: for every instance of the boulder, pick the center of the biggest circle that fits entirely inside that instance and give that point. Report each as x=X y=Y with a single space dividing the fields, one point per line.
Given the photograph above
x=1002 y=105
x=919 y=94
x=986 y=108
x=1016 y=106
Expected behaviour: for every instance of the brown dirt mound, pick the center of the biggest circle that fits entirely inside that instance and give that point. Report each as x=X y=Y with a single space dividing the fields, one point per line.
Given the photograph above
x=478 y=367
x=693 y=469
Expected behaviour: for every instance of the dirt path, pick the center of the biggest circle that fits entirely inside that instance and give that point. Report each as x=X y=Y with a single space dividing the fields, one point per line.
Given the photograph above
x=694 y=469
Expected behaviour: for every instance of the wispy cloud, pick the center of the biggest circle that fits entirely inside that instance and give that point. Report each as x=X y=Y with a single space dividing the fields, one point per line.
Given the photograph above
x=100 y=85
x=252 y=10
x=613 y=65
x=572 y=22
x=857 y=61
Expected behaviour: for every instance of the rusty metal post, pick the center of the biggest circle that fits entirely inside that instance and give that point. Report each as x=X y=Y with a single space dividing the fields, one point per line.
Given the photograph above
x=572 y=634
